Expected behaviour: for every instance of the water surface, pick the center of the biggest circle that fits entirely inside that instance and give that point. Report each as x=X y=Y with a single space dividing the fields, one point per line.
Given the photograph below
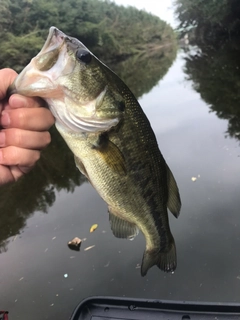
x=41 y=278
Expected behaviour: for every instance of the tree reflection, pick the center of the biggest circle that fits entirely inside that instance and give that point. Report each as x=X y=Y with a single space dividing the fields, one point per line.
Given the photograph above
x=56 y=169
x=209 y=20
x=36 y=191
x=142 y=72
x=214 y=71
x=145 y=45
x=214 y=27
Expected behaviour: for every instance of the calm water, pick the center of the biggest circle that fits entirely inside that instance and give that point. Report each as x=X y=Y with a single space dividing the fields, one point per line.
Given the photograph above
x=41 y=278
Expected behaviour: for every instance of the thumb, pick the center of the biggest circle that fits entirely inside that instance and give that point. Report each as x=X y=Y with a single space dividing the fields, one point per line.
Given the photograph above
x=6 y=78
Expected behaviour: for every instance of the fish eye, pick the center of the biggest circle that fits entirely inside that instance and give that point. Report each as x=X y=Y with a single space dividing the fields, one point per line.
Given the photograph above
x=84 y=55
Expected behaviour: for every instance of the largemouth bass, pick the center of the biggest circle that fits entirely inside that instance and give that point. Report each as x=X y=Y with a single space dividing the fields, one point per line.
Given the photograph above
x=112 y=141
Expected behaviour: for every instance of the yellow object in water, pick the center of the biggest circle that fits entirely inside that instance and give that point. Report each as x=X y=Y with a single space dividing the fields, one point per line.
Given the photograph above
x=93 y=227
x=112 y=141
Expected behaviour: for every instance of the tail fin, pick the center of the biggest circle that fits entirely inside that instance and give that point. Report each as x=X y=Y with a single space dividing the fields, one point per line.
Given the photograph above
x=166 y=261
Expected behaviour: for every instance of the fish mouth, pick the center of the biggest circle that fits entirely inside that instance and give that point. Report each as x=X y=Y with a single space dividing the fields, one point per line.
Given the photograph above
x=38 y=77
x=55 y=37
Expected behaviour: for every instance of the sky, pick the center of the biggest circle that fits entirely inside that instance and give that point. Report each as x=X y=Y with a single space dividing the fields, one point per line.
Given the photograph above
x=160 y=8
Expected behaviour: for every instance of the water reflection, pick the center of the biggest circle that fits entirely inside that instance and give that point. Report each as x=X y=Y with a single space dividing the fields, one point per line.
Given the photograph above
x=214 y=71
x=56 y=169
x=113 y=144
x=207 y=232
x=141 y=72
x=36 y=191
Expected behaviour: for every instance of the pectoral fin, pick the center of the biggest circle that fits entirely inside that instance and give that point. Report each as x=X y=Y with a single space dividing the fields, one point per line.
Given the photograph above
x=113 y=158
x=122 y=228
x=109 y=152
x=174 y=201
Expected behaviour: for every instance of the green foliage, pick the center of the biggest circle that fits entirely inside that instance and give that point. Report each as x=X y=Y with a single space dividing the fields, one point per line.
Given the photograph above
x=107 y=29
x=211 y=19
x=138 y=46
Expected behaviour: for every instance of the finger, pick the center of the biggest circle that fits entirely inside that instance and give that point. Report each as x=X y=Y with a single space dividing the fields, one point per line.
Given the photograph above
x=18 y=171
x=17 y=101
x=11 y=174
x=5 y=175
x=14 y=156
x=24 y=139
x=8 y=75
x=35 y=119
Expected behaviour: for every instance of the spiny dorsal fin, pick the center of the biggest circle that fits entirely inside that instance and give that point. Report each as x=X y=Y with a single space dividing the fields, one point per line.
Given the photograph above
x=174 y=201
x=122 y=228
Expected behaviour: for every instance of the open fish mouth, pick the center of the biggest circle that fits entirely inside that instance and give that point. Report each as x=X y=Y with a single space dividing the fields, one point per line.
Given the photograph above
x=112 y=141
x=38 y=78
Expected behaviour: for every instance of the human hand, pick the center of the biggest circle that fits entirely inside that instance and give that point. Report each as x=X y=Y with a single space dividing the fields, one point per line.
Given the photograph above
x=23 y=131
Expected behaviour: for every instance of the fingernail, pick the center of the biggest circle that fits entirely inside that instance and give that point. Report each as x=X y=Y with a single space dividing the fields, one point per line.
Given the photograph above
x=2 y=139
x=18 y=101
x=5 y=119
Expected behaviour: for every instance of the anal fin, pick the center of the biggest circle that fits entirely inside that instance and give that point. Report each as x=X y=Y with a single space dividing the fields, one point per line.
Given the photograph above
x=122 y=228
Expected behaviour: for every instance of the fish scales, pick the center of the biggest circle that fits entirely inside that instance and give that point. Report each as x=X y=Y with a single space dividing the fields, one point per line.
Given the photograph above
x=111 y=139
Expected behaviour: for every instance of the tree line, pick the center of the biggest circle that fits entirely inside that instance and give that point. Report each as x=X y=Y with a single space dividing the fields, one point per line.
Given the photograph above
x=112 y=32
